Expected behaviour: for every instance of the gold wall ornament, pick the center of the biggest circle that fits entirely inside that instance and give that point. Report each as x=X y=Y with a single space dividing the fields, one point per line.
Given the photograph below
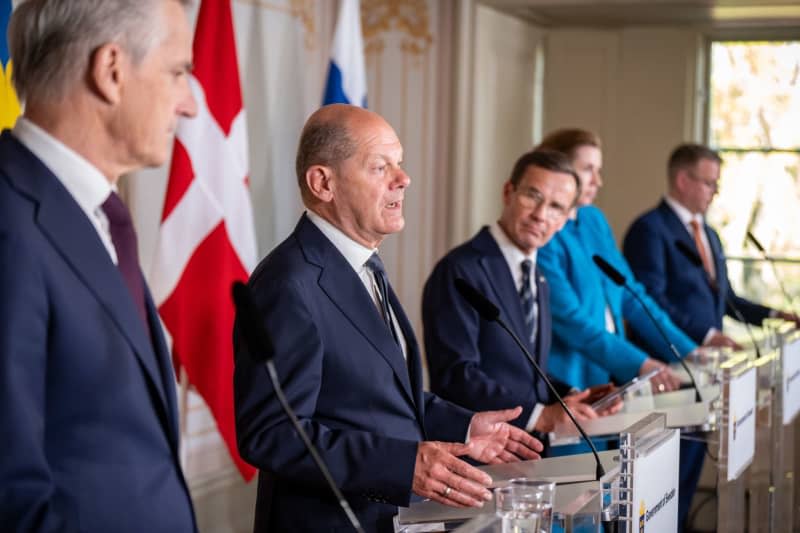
x=409 y=17
x=299 y=9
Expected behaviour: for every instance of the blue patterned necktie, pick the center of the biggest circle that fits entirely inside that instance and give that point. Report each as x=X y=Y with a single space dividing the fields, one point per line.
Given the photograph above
x=530 y=308
x=375 y=264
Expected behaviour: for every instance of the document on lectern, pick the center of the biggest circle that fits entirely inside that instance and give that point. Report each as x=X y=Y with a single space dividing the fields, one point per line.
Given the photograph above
x=741 y=422
x=791 y=380
x=655 y=486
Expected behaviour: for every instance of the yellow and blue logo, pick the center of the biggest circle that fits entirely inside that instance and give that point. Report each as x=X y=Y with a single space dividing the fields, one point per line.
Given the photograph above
x=9 y=104
x=642 y=512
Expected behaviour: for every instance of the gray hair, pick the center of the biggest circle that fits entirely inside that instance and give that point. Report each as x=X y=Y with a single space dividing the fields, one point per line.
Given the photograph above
x=323 y=142
x=51 y=41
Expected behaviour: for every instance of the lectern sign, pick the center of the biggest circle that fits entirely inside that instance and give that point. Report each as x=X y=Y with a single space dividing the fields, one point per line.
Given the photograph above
x=791 y=380
x=741 y=422
x=655 y=487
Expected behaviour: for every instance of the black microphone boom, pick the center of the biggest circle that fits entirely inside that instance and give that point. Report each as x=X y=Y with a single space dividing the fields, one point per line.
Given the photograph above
x=260 y=347
x=618 y=278
x=491 y=313
x=771 y=261
x=693 y=258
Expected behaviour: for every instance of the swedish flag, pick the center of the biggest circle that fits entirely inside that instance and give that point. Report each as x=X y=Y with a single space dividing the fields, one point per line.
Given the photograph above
x=9 y=104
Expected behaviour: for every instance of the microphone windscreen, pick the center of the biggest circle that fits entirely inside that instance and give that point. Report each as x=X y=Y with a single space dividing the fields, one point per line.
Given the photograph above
x=690 y=254
x=478 y=301
x=247 y=318
x=615 y=275
x=756 y=243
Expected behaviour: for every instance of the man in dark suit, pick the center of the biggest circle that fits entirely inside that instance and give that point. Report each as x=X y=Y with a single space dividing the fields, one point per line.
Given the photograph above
x=347 y=356
x=696 y=297
x=86 y=385
x=475 y=363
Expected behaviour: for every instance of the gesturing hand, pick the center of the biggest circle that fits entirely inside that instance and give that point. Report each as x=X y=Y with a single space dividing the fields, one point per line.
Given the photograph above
x=493 y=440
x=441 y=476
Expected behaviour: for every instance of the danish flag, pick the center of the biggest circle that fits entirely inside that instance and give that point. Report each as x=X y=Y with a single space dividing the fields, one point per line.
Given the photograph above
x=206 y=239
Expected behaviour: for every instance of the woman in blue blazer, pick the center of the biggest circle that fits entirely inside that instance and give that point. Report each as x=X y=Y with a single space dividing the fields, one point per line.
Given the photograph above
x=589 y=344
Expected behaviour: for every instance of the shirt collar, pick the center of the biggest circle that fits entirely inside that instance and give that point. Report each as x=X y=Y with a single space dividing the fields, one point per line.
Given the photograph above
x=684 y=214
x=87 y=185
x=512 y=254
x=355 y=253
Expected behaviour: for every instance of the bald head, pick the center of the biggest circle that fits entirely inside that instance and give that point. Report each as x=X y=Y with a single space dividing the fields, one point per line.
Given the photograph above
x=349 y=168
x=331 y=136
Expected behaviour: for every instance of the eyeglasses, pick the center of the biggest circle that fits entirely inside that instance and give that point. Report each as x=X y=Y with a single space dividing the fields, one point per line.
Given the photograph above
x=531 y=198
x=712 y=184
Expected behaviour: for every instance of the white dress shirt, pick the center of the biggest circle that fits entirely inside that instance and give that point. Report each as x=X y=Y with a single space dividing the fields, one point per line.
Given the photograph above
x=514 y=258
x=83 y=181
x=356 y=256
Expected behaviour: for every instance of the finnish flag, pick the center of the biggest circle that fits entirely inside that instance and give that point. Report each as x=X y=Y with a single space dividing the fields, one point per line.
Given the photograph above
x=347 y=75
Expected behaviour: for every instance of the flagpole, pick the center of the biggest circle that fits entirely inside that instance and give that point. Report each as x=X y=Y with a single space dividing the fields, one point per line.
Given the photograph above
x=183 y=408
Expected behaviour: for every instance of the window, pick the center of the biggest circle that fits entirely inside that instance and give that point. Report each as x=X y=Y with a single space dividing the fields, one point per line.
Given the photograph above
x=754 y=123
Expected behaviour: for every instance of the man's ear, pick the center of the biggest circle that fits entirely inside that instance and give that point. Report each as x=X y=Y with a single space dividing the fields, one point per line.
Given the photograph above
x=108 y=66
x=508 y=189
x=321 y=183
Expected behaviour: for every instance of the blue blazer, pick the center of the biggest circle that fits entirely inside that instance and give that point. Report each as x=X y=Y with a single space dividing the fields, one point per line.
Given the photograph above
x=472 y=362
x=361 y=403
x=87 y=398
x=678 y=285
x=584 y=353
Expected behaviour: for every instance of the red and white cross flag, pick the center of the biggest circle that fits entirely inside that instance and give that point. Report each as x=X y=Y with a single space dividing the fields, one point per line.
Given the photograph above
x=206 y=238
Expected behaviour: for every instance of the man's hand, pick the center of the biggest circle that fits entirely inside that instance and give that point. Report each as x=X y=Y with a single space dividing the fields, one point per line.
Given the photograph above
x=789 y=317
x=554 y=415
x=598 y=392
x=493 y=440
x=441 y=476
x=720 y=340
x=665 y=380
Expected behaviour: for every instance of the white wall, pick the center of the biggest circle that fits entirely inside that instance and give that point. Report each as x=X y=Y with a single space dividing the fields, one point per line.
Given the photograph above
x=497 y=118
x=638 y=88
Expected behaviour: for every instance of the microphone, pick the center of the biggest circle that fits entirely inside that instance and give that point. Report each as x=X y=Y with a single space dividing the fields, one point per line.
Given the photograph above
x=619 y=279
x=489 y=312
x=763 y=252
x=259 y=345
x=693 y=258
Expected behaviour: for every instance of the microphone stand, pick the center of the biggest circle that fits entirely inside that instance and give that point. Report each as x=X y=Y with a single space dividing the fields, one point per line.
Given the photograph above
x=620 y=280
x=491 y=313
x=256 y=337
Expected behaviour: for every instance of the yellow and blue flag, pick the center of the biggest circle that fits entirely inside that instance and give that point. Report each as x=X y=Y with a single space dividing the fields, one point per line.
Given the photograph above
x=9 y=104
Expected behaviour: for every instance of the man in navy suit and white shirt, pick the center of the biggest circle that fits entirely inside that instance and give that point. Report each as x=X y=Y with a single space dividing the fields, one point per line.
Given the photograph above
x=347 y=356
x=475 y=363
x=87 y=398
x=695 y=298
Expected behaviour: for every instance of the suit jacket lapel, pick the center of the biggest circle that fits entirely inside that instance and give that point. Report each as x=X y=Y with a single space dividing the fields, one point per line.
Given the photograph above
x=65 y=225
x=414 y=363
x=497 y=272
x=679 y=230
x=347 y=292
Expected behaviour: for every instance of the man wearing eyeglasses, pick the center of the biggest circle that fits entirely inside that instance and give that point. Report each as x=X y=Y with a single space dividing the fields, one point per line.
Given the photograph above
x=475 y=363
x=696 y=298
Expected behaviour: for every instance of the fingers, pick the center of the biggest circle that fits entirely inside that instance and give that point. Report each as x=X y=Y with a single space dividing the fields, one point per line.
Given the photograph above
x=581 y=396
x=503 y=415
x=583 y=411
x=442 y=477
x=525 y=439
x=665 y=381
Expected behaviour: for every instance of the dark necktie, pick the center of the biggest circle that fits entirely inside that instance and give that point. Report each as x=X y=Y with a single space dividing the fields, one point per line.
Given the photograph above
x=124 y=238
x=530 y=308
x=375 y=264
